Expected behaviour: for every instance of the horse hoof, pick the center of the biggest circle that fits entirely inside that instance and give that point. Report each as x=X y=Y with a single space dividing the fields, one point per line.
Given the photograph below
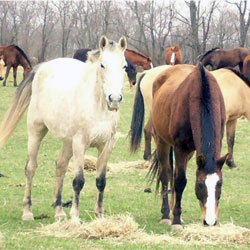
x=76 y=220
x=166 y=222
x=147 y=190
x=99 y=215
x=60 y=217
x=176 y=228
x=27 y=217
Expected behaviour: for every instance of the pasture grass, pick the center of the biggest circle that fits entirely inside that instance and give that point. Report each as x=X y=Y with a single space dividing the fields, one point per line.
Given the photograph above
x=123 y=194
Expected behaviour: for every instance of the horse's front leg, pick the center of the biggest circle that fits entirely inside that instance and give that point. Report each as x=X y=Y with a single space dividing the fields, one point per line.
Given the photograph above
x=180 y=181
x=231 y=125
x=101 y=167
x=6 y=75
x=78 y=182
x=61 y=168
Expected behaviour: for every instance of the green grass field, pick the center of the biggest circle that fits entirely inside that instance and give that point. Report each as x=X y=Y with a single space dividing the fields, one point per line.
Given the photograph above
x=123 y=194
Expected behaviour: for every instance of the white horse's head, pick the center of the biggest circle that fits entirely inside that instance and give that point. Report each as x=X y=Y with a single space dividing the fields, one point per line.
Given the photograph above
x=112 y=66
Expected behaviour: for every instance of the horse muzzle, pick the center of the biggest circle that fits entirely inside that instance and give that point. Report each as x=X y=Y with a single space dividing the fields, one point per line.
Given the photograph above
x=114 y=102
x=209 y=224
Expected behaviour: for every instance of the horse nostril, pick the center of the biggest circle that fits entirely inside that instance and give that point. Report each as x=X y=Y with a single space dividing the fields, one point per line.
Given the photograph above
x=110 y=99
x=120 y=98
x=205 y=223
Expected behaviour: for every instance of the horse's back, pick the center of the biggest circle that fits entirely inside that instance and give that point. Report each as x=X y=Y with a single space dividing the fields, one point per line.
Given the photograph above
x=147 y=83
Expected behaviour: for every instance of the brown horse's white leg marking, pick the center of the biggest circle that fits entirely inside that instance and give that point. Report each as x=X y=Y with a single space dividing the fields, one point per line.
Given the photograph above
x=61 y=168
x=36 y=134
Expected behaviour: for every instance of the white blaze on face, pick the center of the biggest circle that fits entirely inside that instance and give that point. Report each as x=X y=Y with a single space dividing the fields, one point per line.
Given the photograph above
x=211 y=182
x=172 y=58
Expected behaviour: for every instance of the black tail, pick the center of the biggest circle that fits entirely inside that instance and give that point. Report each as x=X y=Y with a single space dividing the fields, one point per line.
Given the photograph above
x=207 y=127
x=137 y=119
x=248 y=70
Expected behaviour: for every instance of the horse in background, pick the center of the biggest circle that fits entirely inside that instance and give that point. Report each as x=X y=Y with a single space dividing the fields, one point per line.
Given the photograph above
x=246 y=67
x=1 y=68
x=189 y=115
x=80 y=108
x=82 y=55
x=13 y=57
x=173 y=55
x=138 y=59
x=219 y=58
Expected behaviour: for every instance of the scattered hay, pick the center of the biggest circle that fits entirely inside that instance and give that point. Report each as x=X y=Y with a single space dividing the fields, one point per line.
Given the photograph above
x=123 y=228
x=1 y=241
x=90 y=165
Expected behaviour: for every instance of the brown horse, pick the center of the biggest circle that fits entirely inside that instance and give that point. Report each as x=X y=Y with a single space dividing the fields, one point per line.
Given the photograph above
x=1 y=67
x=246 y=67
x=219 y=58
x=235 y=89
x=138 y=59
x=173 y=55
x=190 y=116
x=13 y=57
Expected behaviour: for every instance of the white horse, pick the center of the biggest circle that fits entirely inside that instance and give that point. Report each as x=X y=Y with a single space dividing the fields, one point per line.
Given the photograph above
x=78 y=103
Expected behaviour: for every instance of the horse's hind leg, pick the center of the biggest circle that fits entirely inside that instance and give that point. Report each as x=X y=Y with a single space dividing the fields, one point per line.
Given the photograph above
x=61 y=168
x=101 y=167
x=180 y=181
x=78 y=182
x=165 y=176
x=36 y=134
x=148 y=138
x=14 y=76
x=231 y=125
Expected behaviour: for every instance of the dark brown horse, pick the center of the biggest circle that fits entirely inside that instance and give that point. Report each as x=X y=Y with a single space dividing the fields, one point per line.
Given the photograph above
x=220 y=58
x=173 y=55
x=138 y=59
x=13 y=57
x=190 y=116
x=246 y=67
x=82 y=55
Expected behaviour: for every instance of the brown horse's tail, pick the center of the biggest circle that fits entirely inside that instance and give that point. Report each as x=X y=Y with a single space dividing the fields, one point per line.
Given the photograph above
x=17 y=109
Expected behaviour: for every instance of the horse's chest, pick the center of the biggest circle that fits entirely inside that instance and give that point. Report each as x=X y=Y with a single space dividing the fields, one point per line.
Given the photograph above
x=101 y=131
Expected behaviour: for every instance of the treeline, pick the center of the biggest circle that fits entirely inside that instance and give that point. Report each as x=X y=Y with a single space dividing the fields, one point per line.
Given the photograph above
x=50 y=29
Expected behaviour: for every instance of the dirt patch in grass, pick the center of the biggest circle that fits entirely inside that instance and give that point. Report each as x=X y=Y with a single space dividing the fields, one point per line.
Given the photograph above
x=123 y=228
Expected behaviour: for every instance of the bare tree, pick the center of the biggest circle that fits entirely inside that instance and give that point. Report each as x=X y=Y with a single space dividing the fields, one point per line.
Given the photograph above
x=244 y=24
x=3 y=21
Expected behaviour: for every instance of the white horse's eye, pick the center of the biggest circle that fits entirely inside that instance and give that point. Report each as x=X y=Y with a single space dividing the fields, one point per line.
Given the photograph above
x=102 y=66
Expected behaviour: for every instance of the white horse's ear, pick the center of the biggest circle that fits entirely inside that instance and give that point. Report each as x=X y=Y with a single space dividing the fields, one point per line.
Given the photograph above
x=103 y=43
x=123 y=43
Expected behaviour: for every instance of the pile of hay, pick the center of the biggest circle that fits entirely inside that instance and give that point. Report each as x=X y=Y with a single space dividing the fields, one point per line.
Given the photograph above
x=123 y=228
x=113 y=226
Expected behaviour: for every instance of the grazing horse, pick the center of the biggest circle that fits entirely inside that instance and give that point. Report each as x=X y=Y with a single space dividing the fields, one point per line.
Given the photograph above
x=138 y=59
x=173 y=55
x=78 y=103
x=189 y=115
x=13 y=57
x=82 y=55
x=246 y=67
x=235 y=89
x=219 y=58
x=1 y=68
